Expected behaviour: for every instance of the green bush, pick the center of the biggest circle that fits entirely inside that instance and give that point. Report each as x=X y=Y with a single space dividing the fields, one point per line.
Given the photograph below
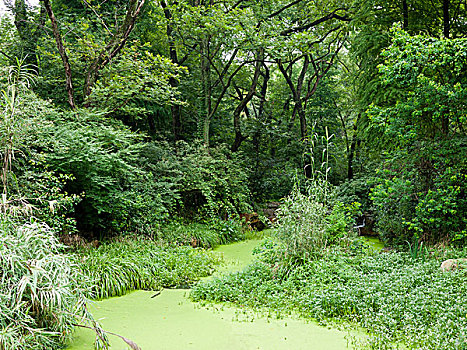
x=30 y=187
x=214 y=183
x=340 y=221
x=423 y=198
x=421 y=191
x=196 y=182
x=394 y=202
x=101 y=156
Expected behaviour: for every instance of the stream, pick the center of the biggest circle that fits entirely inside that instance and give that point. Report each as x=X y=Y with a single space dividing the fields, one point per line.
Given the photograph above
x=170 y=321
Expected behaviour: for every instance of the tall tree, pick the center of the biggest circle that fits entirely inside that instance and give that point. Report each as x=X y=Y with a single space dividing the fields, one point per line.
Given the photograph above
x=117 y=40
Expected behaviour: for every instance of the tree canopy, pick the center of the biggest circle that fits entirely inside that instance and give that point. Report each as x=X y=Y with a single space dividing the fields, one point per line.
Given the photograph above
x=134 y=112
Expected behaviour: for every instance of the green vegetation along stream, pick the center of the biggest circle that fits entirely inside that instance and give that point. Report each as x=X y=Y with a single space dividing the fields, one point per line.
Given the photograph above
x=172 y=321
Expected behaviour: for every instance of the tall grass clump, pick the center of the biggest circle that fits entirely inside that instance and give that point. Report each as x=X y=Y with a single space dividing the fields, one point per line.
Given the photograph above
x=39 y=299
x=310 y=221
x=302 y=221
x=125 y=265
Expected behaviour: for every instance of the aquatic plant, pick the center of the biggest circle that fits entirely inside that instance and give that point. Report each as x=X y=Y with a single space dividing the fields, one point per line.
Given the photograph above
x=398 y=299
x=128 y=264
x=308 y=224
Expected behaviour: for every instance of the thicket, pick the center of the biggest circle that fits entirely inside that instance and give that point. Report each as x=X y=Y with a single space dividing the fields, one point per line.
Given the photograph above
x=311 y=220
x=419 y=192
x=113 y=125
x=81 y=171
x=170 y=125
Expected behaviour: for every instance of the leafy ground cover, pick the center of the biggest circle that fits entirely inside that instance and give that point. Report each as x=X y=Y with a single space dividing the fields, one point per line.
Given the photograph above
x=401 y=301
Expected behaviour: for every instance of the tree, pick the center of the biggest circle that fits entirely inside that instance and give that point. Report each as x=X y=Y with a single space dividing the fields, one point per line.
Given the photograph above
x=426 y=123
x=113 y=46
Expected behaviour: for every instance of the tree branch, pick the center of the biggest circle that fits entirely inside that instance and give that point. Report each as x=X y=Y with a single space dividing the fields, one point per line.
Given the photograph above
x=332 y=15
x=115 y=45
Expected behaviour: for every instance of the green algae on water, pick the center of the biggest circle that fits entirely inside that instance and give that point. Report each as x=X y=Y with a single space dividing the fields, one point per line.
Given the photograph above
x=170 y=321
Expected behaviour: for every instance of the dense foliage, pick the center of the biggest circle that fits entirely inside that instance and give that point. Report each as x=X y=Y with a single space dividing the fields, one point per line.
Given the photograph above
x=421 y=188
x=40 y=299
x=221 y=105
x=119 y=267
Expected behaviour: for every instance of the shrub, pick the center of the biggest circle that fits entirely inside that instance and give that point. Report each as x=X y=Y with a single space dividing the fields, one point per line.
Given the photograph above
x=302 y=224
x=101 y=156
x=340 y=221
x=423 y=198
x=421 y=192
x=214 y=182
x=307 y=223
x=195 y=182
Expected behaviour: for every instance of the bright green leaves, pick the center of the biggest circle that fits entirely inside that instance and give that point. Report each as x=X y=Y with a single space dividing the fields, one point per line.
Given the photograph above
x=430 y=79
x=424 y=121
x=134 y=80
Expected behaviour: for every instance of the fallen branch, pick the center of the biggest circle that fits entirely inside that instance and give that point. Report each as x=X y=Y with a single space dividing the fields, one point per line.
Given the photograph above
x=131 y=343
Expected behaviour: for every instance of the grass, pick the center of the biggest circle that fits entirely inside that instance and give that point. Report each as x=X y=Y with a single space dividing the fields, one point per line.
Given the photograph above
x=399 y=299
x=207 y=234
x=44 y=289
x=125 y=265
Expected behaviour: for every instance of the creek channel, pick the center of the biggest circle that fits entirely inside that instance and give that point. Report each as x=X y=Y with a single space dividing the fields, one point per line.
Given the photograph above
x=171 y=321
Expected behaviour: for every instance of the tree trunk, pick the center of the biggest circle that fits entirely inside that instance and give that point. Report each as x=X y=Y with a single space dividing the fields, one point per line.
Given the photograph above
x=63 y=55
x=351 y=151
x=297 y=97
x=446 y=24
x=405 y=15
x=206 y=81
x=239 y=138
x=446 y=32
x=175 y=109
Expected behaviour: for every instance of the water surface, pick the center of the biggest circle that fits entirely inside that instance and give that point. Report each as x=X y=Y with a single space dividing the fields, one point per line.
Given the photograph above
x=170 y=321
